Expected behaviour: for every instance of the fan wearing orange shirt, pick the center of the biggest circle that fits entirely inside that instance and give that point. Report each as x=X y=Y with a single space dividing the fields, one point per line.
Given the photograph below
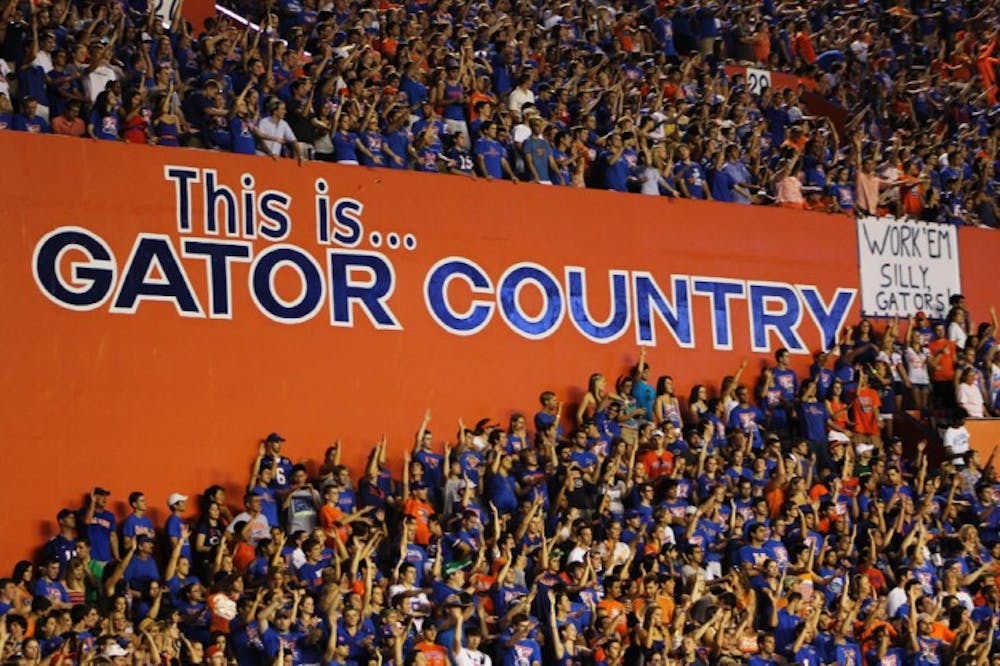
x=867 y=416
x=657 y=461
x=334 y=522
x=434 y=654
x=415 y=504
x=986 y=66
x=802 y=44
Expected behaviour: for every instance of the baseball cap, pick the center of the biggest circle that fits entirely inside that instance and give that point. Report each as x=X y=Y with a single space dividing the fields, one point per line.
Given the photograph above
x=115 y=650
x=862 y=449
x=175 y=498
x=417 y=485
x=101 y=491
x=274 y=437
x=920 y=315
x=658 y=433
x=452 y=567
x=63 y=514
x=143 y=538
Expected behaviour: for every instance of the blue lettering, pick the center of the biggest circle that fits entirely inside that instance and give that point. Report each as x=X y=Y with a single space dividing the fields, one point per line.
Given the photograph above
x=617 y=321
x=155 y=252
x=829 y=319
x=677 y=317
x=372 y=295
x=784 y=323
x=510 y=285
x=182 y=177
x=347 y=218
x=720 y=290
x=214 y=193
x=265 y=295
x=275 y=222
x=220 y=255
x=436 y=285
x=94 y=277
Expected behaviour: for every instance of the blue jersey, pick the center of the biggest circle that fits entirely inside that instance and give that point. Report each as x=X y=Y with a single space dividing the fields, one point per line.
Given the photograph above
x=282 y=472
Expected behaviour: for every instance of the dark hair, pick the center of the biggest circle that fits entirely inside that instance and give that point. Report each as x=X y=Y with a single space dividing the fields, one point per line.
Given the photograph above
x=134 y=496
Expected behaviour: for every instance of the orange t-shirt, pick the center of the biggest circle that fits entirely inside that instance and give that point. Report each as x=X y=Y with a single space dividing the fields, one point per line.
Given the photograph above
x=433 y=653
x=329 y=516
x=243 y=556
x=422 y=511
x=610 y=607
x=866 y=410
x=913 y=196
x=804 y=47
x=943 y=366
x=658 y=464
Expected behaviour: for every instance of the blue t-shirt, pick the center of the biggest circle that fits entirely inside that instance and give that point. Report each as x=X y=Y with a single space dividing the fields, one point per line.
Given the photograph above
x=539 y=152
x=748 y=419
x=140 y=572
x=693 y=176
x=241 y=134
x=105 y=127
x=32 y=125
x=492 y=153
x=344 y=147
x=523 y=653
x=134 y=526
x=615 y=175
x=645 y=396
x=174 y=526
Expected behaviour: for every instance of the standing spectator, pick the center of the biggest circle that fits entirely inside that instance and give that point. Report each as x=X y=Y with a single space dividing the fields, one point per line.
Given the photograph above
x=538 y=157
x=137 y=523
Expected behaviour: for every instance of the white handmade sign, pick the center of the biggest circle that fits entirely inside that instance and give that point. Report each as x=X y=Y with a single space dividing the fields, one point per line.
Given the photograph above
x=907 y=266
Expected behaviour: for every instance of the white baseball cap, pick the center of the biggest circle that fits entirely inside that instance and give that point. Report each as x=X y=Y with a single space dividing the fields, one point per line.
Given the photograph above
x=115 y=650
x=175 y=498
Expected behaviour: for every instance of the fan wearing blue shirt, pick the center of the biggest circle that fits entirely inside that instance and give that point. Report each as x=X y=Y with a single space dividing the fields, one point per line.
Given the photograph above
x=137 y=523
x=490 y=156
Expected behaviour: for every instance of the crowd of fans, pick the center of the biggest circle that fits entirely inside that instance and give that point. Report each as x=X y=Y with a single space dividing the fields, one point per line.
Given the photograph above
x=763 y=521
x=618 y=95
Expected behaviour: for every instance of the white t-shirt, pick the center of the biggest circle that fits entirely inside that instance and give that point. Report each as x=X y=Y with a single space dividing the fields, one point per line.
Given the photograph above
x=4 y=71
x=971 y=400
x=916 y=366
x=519 y=98
x=957 y=334
x=651 y=184
x=467 y=657
x=95 y=82
x=956 y=441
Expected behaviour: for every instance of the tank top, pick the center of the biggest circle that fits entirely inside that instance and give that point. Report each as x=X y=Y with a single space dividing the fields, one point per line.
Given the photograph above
x=135 y=129
x=167 y=134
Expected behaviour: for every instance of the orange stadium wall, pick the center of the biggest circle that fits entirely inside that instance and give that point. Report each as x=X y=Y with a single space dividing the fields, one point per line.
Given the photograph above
x=984 y=435
x=132 y=361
